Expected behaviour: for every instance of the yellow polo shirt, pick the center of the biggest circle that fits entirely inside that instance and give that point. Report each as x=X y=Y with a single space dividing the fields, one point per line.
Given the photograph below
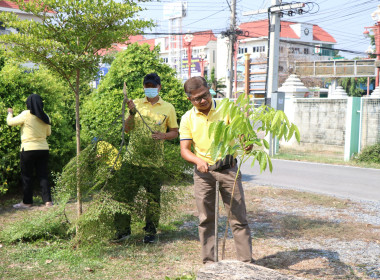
x=142 y=149
x=33 y=131
x=194 y=126
x=160 y=115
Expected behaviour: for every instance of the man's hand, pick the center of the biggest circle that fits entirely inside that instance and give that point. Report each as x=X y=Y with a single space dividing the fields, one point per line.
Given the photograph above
x=10 y=110
x=202 y=166
x=189 y=156
x=159 y=135
x=131 y=105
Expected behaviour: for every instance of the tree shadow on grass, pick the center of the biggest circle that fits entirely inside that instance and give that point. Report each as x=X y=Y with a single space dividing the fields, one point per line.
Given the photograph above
x=307 y=262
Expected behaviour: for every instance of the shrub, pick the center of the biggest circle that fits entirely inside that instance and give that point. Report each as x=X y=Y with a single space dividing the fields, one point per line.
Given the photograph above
x=118 y=191
x=370 y=154
x=16 y=84
x=103 y=107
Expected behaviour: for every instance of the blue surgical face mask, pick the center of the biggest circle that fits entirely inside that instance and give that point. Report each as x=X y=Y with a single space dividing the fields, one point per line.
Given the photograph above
x=151 y=92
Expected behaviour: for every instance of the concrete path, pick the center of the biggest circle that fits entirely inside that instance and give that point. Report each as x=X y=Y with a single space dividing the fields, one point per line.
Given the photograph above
x=341 y=181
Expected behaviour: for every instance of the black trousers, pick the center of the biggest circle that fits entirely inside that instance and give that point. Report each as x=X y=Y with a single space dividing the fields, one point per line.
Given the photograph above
x=30 y=161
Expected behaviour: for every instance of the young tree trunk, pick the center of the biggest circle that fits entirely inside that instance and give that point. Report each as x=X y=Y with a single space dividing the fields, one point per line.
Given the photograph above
x=79 y=195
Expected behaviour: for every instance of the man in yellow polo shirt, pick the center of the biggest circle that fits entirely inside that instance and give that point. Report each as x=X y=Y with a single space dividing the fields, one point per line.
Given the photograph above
x=194 y=132
x=146 y=146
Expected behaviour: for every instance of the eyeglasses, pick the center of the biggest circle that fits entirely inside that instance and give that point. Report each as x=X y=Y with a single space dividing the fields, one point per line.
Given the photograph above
x=200 y=98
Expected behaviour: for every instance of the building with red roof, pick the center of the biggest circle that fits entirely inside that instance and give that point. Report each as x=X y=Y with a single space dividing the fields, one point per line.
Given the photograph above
x=10 y=7
x=298 y=42
x=203 y=49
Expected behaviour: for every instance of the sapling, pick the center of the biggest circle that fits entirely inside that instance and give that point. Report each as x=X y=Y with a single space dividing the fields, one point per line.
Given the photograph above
x=244 y=135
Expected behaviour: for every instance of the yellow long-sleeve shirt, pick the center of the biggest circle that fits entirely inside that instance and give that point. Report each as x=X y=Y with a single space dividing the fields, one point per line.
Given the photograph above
x=33 y=131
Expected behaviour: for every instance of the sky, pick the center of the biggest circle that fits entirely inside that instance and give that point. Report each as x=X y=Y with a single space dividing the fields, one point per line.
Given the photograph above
x=343 y=19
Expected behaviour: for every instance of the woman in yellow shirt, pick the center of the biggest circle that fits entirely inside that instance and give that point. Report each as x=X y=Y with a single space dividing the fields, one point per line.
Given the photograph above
x=35 y=127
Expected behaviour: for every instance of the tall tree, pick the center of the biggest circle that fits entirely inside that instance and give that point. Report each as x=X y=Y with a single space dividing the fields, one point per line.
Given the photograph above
x=67 y=38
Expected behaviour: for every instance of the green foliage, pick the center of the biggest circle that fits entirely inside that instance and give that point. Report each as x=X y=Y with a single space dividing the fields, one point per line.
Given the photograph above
x=69 y=34
x=16 y=84
x=68 y=37
x=119 y=190
x=97 y=223
x=370 y=154
x=216 y=85
x=103 y=107
x=245 y=122
x=47 y=225
x=351 y=85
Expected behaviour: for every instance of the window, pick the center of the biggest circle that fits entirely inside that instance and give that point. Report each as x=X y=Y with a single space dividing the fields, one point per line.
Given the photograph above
x=306 y=50
x=282 y=49
x=258 y=49
x=243 y=50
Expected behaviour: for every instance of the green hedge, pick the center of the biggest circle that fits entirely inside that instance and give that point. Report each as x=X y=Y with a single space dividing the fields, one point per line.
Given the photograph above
x=370 y=154
x=103 y=107
x=16 y=84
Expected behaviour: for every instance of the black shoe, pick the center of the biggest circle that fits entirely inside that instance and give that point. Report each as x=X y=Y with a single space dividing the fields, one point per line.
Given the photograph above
x=150 y=238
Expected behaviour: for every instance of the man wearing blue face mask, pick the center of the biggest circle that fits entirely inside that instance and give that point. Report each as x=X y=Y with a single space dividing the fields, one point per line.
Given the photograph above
x=146 y=149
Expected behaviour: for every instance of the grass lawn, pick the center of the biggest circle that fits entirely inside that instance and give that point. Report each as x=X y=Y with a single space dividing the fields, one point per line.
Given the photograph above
x=177 y=251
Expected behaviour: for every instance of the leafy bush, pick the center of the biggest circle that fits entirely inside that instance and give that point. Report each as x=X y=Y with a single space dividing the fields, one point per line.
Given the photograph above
x=16 y=84
x=370 y=154
x=103 y=107
x=111 y=191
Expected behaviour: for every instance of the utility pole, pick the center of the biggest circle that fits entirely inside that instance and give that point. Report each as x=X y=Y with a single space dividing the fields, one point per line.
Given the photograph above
x=231 y=49
x=274 y=51
x=274 y=54
x=274 y=41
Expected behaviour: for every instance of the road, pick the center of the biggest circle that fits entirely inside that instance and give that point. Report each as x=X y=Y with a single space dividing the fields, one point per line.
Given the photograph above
x=341 y=181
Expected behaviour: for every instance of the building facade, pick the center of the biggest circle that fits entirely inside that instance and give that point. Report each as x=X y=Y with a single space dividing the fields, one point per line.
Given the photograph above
x=298 y=42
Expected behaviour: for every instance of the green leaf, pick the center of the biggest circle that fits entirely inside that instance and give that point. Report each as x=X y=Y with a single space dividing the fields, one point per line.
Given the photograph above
x=297 y=133
x=256 y=155
x=216 y=150
x=291 y=131
x=266 y=144
x=218 y=131
x=275 y=119
x=211 y=129
x=281 y=132
x=235 y=124
x=227 y=108
x=221 y=105
x=270 y=164
x=240 y=99
x=263 y=161
x=234 y=111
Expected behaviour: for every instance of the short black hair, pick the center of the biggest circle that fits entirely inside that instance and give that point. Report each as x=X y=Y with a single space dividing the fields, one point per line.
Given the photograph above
x=194 y=83
x=152 y=78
